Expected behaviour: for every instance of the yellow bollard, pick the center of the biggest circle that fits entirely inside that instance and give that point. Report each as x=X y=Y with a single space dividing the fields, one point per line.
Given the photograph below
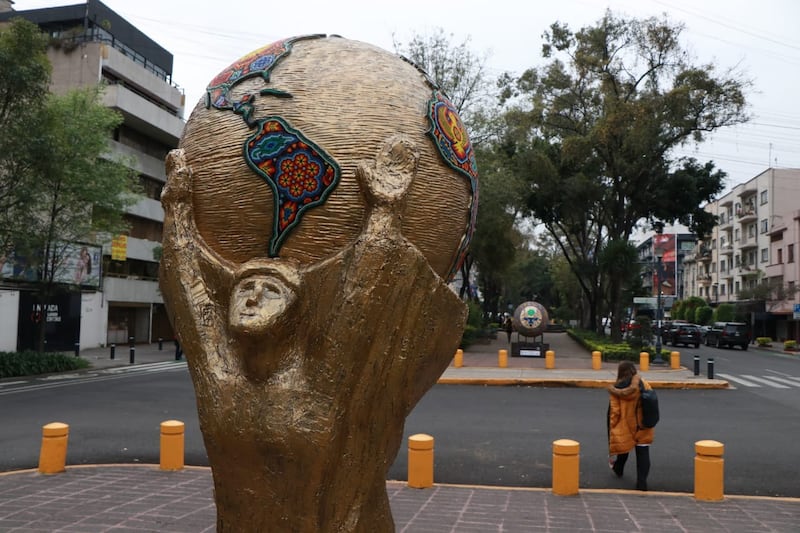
x=550 y=359
x=597 y=361
x=172 y=438
x=566 y=467
x=709 y=471
x=644 y=361
x=675 y=360
x=502 y=358
x=420 y=461
x=53 y=454
x=458 y=360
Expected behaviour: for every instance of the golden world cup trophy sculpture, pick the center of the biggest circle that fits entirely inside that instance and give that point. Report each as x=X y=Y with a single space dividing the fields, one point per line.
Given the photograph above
x=322 y=197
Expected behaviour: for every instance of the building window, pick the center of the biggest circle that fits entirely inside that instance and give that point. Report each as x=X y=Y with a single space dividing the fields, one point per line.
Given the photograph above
x=780 y=255
x=722 y=266
x=751 y=230
x=790 y=253
x=764 y=197
x=736 y=235
x=764 y=225
x=722 y=290
x=737 y=286
x=764 y=255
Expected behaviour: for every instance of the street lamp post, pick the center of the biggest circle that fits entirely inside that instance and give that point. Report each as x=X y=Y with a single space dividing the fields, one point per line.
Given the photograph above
x=659 y=312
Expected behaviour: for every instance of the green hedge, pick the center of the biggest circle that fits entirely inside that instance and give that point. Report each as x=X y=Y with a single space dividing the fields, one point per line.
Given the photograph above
x=30 y=363
x=622 y=351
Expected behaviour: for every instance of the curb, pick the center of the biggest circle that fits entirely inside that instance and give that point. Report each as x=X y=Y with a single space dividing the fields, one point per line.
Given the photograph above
x=576 y=383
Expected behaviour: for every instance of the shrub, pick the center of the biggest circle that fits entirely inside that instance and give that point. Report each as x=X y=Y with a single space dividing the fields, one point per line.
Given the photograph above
x=469 y=336
x=764 y=341
x=30 y=363
x=790 y=345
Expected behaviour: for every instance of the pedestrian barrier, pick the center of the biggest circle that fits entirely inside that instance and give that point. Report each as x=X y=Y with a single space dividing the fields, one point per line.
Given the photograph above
x=458 y=360
x=550 y=359
x=597 y=361
x=675 y=360
x=566 y=467
x=644 y=361
x=172 y=445
x=420 y=461
x=502 y=358
x=709 y=471
x=53 y=453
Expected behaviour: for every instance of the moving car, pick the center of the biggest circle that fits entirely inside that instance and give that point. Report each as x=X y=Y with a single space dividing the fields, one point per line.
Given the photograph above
x=728 y=334
x=683 y=333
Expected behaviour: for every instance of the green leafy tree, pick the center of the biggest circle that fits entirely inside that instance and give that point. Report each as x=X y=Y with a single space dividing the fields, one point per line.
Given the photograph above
x=703 y=315
x=594 y=131
x=24 y=79
x=81 y=195
x=725 y=313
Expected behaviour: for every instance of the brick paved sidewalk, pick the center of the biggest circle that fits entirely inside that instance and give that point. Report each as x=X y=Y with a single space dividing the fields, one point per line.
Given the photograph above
x=141 y=498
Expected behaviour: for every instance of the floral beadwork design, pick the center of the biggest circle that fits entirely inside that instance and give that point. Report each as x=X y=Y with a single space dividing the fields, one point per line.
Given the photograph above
x=452 y=141
x=300 y=175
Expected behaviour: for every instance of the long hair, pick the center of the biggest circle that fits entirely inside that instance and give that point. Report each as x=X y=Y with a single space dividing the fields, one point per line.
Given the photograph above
x=625 y=371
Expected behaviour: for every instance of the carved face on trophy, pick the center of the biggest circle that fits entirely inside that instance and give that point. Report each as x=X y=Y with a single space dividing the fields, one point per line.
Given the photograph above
x=323 y=194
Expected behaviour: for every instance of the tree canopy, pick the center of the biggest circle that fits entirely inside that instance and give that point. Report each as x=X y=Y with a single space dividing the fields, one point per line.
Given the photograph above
x=59 y=184
x=594 y=133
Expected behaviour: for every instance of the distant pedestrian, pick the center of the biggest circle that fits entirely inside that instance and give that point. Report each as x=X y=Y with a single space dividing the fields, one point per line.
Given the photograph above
x=625 y=431
x=508 y=325
x=178 y=350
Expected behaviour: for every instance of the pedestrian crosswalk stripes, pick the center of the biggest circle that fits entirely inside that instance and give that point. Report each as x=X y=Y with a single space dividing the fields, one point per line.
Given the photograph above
x=748 y=380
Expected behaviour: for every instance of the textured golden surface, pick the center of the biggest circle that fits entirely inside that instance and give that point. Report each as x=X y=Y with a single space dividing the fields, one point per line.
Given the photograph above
x=305 y=372
x=348 y=97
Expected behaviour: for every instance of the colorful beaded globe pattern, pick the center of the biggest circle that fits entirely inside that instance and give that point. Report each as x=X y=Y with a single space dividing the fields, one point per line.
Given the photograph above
x=300 y=173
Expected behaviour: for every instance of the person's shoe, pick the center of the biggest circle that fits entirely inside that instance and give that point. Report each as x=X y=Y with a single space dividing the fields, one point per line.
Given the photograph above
x=612 y=464
x=641 y=485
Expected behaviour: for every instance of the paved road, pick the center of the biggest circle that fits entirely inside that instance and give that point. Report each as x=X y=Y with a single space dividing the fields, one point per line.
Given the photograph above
x=484 y=435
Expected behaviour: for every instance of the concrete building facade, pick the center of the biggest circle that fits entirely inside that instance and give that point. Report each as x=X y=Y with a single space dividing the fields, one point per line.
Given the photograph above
x=756 y=240
x=89 y=44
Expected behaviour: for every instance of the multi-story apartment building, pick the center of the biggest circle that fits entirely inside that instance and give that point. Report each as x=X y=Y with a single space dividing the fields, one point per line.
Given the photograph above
x=89 y=44
x=756 y=239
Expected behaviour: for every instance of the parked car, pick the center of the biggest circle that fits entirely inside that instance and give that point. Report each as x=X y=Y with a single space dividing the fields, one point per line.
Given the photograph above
x=728 y=334
x=683 y=333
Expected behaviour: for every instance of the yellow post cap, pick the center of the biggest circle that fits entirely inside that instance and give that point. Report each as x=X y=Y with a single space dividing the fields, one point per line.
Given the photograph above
x=420 y=441
x=709 y=447
x=172 y=427
x=55 y=429
x=566 y=447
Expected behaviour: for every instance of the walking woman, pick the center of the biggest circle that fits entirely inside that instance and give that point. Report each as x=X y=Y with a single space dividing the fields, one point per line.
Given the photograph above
x=625 y=431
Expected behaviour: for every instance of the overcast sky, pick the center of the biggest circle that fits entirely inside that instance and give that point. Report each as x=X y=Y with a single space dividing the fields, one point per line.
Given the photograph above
x=760 y=37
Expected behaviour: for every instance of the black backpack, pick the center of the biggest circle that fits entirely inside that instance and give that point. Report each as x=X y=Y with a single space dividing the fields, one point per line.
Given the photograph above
x=648 y=401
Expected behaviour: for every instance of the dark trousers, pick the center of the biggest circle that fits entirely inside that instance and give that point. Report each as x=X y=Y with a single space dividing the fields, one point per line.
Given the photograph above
x=642 y=465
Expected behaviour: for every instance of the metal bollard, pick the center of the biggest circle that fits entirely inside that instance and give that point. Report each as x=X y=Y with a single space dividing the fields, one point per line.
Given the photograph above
x=675 y=360
x=502 y=358
x=132 y=353
x=710 y=368
x=597 y=361
x=77 y=349
x=420 y=461
x=696 y=365
x=160 y=344
x=550 y=359
x=709 y=471
x=172 y=445
x=566 y=467
x=644 y=361
x=131 y=341
x=458 y=360
x=53 y=454
x=113 y=348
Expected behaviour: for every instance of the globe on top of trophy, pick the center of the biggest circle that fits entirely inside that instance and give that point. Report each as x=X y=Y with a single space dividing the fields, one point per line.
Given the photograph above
x=275 y=144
